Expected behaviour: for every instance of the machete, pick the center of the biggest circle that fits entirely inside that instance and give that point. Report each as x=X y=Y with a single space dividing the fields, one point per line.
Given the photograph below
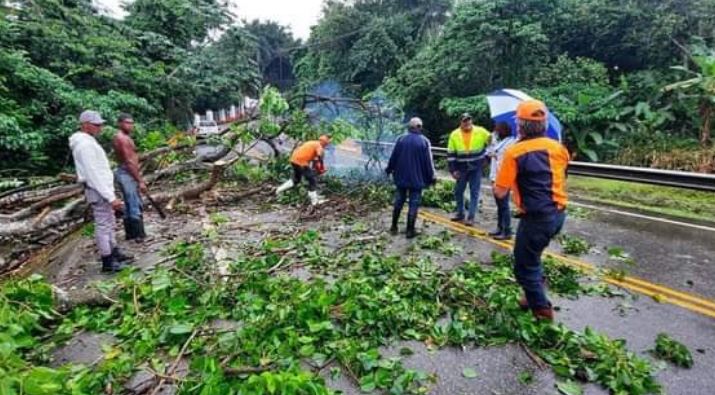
x=156 y=206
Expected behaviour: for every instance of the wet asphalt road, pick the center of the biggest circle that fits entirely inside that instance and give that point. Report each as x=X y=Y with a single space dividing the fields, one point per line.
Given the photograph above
x=677 y=256
x=635 y=318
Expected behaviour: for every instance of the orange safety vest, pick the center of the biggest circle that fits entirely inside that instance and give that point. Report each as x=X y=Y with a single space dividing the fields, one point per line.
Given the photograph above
x=306 y=153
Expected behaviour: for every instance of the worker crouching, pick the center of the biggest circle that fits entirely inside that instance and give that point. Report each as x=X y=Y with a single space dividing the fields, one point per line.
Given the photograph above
x=534 y=169
x=306 y=155
x=412 y=169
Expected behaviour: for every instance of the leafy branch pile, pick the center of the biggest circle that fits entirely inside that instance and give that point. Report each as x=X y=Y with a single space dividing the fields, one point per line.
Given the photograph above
x=574 y=245
x=440 y=195
x=671 y=350
x=284 y=332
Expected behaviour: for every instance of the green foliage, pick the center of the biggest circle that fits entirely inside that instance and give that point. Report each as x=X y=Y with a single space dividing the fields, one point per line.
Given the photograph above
x=25 y=307
x=363 y=42
x=272 y=105
x=274 y=61
x=64 y=58
x=440 y=195
x=702 y=85
x=441 y=243
x=671 y=350
x=185 y=23
x=375 y=299
x=574 y=245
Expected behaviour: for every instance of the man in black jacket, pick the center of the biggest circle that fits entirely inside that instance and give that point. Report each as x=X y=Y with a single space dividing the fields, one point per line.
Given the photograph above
x=412 y=169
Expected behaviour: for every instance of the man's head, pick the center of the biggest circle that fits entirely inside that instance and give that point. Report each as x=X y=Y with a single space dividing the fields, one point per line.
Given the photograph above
x=125 y=123
x=465 y=122
x=503 y=129
x=531 y=118
x=324 y=140
x=91 y=122
x=415 y=124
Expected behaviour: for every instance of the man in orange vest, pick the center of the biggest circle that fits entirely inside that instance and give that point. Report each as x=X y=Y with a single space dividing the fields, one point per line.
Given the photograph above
x=309 y=153
x=534 y=169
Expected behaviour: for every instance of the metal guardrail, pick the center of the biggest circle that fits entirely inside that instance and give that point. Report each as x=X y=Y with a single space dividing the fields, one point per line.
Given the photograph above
x=678 y=179
x=643 y=175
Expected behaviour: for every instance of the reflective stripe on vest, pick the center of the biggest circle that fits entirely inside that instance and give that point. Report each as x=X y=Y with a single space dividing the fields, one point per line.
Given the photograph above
x=458 y=152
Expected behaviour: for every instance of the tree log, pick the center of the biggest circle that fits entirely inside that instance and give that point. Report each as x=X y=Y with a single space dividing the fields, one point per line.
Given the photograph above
x=31 y=196
x=52 y=198
x=195 y=191
x=72 y=211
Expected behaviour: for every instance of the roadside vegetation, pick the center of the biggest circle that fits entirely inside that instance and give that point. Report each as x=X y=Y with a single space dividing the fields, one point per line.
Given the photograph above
x=658 y=200
x=632 y=86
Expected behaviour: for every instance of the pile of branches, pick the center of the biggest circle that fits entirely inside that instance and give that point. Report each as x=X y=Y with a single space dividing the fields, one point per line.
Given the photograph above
x=38 y=216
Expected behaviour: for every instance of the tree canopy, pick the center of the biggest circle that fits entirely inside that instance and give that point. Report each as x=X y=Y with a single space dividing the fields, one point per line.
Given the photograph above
x=608 y=69
x=593 y=61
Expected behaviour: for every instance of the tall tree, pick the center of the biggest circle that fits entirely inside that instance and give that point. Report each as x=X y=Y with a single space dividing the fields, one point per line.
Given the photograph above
x=359 y=43
x=184 y=22
x=275 y=49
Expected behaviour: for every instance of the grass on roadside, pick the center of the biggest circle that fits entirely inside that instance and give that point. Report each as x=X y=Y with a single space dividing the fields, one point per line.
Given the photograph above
x=669 y=201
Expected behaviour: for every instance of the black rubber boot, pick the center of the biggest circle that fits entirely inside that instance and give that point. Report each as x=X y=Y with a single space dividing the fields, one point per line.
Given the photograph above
x=395 y=221
x=411 y=232
x=140 y=232
x=121 y=256
x=129 y=230
x=111 y=265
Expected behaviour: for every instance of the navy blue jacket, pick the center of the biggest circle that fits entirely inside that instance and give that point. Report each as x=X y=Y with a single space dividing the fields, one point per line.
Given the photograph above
x=411 y=161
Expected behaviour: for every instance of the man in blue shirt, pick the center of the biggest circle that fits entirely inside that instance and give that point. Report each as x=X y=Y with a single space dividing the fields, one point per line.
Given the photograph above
x=412 y=169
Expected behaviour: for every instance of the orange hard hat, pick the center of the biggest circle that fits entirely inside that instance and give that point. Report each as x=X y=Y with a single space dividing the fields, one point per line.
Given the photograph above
x=531 y=110
x=325 y=139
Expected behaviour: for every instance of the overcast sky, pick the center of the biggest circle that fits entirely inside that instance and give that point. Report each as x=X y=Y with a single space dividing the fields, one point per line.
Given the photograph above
x=299 y=15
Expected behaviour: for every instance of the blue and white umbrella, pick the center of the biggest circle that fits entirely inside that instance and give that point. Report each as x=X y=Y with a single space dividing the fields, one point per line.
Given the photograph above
x=502 y=108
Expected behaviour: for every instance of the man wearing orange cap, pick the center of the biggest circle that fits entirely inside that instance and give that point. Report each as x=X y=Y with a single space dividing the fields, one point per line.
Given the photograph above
x=535 y=170
x=303 y=157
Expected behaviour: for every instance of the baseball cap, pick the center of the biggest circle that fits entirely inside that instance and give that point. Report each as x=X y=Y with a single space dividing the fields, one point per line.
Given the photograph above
x=466 y=116
x=90 y=116
x=531 y=110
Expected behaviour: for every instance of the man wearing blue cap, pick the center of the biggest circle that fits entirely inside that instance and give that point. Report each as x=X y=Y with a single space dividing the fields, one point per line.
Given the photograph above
x=94 y=172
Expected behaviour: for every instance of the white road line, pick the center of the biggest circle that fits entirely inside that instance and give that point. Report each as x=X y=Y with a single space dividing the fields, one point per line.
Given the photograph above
x=643 y=216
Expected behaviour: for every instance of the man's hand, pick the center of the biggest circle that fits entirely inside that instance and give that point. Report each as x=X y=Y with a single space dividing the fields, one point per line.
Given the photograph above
x=455 y=175
x=142 y=187
x=117 y=205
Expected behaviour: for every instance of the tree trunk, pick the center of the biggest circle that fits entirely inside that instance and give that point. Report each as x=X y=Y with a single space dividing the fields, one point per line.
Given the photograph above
x=706 y=112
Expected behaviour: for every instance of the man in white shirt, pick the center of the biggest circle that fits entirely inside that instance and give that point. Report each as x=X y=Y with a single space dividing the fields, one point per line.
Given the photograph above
x=502 y=138
x=94 y=172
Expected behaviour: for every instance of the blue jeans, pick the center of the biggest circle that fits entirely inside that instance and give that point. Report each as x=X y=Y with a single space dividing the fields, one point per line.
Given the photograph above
x=474 y=178
x=415 y=199
x=133 y=205
x=503 y=215
x=532 y=237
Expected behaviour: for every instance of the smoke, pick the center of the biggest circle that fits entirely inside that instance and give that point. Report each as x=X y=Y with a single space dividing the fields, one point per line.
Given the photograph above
x=374 y=123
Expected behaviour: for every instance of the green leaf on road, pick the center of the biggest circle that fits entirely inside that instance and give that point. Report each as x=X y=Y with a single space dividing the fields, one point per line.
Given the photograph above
x=569 y=388
x=181 y=329
x=469 y=373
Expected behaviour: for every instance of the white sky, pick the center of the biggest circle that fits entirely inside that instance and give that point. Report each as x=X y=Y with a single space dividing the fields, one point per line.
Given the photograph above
x=299 y=15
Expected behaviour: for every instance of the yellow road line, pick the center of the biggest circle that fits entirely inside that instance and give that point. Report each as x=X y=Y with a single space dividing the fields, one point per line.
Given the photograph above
x=662 y=293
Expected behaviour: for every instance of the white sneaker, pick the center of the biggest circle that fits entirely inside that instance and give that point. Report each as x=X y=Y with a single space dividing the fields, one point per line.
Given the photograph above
x=315 y=199
x=286 y=186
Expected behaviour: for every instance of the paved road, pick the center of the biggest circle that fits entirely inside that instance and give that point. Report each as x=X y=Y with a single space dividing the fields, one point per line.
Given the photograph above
x=677 y=256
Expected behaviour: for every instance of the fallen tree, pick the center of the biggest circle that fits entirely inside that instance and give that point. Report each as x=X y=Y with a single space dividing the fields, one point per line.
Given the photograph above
x=35 y=217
